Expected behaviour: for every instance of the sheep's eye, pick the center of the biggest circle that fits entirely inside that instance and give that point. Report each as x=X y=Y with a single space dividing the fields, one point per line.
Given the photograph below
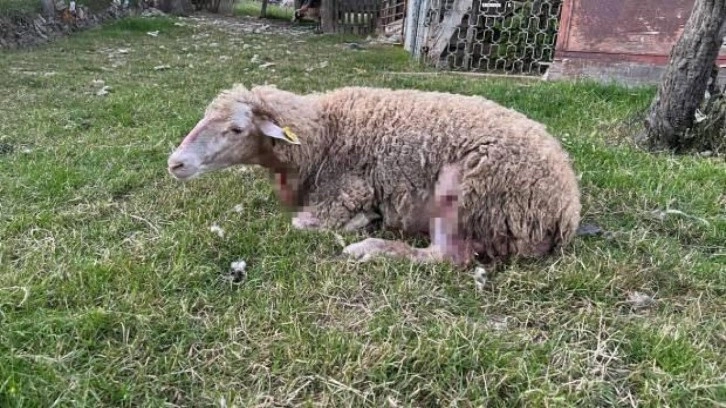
x=236 y=129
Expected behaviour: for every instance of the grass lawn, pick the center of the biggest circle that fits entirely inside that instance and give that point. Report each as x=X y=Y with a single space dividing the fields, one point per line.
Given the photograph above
x=111 y=281
x=252 y=8
x=18 y=7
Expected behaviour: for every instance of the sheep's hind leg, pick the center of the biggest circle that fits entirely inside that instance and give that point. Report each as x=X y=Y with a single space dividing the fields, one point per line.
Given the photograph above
x=445 y=241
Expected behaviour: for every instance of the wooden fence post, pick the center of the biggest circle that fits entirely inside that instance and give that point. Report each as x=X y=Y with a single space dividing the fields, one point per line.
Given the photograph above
x=327 y=15
x=48 y=8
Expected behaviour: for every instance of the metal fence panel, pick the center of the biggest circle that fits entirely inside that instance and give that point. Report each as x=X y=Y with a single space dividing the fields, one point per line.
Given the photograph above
x=511 y=37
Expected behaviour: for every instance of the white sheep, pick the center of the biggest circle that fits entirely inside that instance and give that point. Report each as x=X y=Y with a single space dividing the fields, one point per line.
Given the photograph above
x=483 y=182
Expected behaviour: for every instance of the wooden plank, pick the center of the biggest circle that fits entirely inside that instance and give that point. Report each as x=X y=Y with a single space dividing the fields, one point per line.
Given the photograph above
x=351 y=16
x=441 y=33
x=619 y=40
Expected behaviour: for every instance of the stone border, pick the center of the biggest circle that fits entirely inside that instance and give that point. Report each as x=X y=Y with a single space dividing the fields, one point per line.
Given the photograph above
x=20 y=31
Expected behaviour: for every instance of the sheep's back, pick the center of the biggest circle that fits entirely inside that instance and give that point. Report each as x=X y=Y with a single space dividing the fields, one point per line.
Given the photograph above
x=520 y=192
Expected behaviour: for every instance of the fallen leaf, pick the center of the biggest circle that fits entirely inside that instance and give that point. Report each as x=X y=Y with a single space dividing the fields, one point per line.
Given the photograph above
x=480 y=278
x=153 y=33
x=239 y=266
x=104 y=91
x=339 y=240
x=217 y=230
x=700 y=117
x=640 y=300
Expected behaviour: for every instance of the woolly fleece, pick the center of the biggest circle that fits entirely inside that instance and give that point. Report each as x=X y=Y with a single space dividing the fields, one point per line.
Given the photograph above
x=375 y=149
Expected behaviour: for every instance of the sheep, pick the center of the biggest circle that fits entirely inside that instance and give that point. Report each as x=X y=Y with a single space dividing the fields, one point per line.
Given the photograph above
x=483 y=182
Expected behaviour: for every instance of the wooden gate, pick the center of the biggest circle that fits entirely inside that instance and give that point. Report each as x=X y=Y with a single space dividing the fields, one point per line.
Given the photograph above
x=350 y=16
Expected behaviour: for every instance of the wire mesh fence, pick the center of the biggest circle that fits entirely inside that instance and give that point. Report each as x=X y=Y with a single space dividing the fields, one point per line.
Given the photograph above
x=511 y=37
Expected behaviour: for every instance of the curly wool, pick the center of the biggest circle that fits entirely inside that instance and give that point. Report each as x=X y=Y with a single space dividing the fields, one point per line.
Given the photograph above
x=518 y=191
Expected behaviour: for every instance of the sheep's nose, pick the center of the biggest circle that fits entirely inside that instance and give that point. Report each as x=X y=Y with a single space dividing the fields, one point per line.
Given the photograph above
x=175 y=165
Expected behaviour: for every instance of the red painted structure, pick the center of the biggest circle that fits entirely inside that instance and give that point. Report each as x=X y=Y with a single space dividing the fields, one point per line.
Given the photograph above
x=626 y=41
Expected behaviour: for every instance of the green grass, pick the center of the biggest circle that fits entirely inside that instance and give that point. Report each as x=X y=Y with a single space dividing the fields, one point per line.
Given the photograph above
x=18 y=7
x=252 y=8
x=110 y=278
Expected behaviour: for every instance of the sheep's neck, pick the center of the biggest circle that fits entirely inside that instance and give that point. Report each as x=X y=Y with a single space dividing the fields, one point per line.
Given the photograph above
x=305 y=116
x=303 y=159
x=283 y=175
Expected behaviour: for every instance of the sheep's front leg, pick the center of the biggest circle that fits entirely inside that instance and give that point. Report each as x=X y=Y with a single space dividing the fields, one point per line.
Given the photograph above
x=308 y=220
x=345 y=203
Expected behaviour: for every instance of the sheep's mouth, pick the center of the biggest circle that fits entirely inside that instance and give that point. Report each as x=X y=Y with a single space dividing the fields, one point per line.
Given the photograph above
x=181 y=172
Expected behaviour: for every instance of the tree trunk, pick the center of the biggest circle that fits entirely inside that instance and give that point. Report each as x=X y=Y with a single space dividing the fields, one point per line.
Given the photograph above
x=226 y=7
x=48 y=8
x=176 y=7
x=684 y=82
x=263 y=10
x=442 y=32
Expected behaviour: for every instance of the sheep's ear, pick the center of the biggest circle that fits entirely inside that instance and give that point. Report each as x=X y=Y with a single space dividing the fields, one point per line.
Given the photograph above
x=270 y=129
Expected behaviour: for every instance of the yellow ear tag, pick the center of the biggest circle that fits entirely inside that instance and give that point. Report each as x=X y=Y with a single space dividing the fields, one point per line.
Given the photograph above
x=290 y=135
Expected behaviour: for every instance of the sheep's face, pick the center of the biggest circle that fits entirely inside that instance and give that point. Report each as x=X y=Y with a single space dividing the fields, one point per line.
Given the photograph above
x=224 y=139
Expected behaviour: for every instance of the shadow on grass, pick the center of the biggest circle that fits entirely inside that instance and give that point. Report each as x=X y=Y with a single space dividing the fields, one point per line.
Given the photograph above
x=274 y=12
x=139 y=24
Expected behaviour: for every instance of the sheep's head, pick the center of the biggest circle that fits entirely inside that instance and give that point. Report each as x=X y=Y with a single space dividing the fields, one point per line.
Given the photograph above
x=236 y=129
